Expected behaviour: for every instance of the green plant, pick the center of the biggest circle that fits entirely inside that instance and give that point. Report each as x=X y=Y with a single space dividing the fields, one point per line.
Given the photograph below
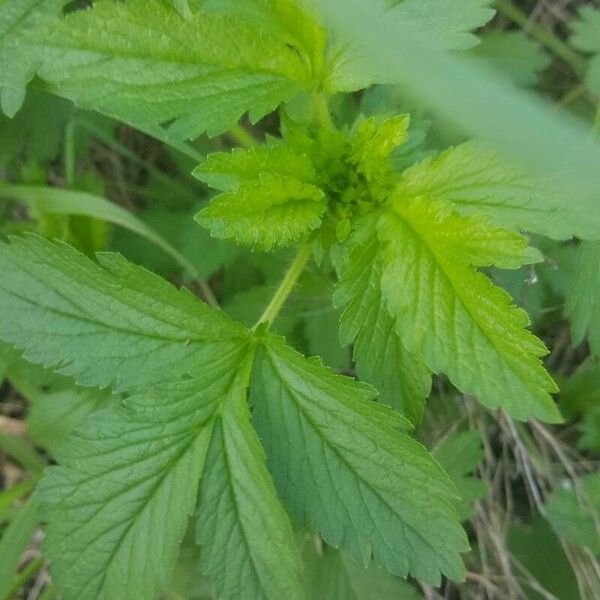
x=174 y=408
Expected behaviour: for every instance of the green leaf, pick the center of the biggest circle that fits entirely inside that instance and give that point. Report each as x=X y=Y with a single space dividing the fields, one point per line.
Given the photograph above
x=271 y=198
x=514 y=55
x=333 y=576
x=479 y=182
x=459 y=454
x=402 y=378
x=143 y=63
x=57 y=201
x=452 y=315
x=346 y=467
x=583 y=297
x=586 y=37
x=18 y=60
x=247 y=540
x=446 y=24
x=105 y=324
x=574 y=513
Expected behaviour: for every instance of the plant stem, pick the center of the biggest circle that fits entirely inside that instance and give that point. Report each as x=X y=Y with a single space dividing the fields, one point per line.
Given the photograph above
x=285 y=287
x=242 y=137
x=321 y=110
x=543 y=36
x=70 y=154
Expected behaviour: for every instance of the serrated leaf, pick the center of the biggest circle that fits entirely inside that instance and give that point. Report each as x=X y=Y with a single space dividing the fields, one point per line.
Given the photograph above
x=247 y=541
x=452 y=315
x=513 y=54
x=586 y=37
x=333 y=576
x=118 y=505
x=459 y=454
x=142 y=63
x=344 y=466
x=18 y=60
x=402 y=378
x=272 y=212
x=479 y=182
x=105 y=324
x=583 y=296
x=574 y=513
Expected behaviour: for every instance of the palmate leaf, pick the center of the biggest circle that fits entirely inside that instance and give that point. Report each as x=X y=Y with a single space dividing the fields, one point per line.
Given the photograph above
x=479 y=182
x=401 y=378
x=453 y=316
x=583 y=297
x=118 y=505
x=18 y=60
x=344 y=466
x=586 y=37
x=143 y=63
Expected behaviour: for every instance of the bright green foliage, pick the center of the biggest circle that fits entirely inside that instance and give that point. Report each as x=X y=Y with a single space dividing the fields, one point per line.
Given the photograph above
x=459 y=454
x=574 y=513
x=271 y=200
x=333 y=576
x=479 y=182
x=514 y=55
x=583 y=298
x=145 y=64
x=18 y=60
x=586 y=37
x=316 y=428
x=402 y=378
x=454 y=316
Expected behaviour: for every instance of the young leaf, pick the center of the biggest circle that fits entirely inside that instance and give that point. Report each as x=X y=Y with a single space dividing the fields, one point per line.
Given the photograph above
x=402 y=378
x=479 y=182
x=574 y=513
x=454 y=316
x=107 y=323
x=344 y=466
x=583 y=297
x=18 y=60
x=143 y=63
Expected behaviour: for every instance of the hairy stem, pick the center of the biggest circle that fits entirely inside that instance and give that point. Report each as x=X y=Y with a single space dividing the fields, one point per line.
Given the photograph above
x=242 y=137
x=285 y=287
x=321 y=111
x=543 y=36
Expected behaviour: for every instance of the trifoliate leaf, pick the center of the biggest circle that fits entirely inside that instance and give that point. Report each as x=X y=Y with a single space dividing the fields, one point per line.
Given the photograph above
x=586 y=37
x=574 y=513
x=118 y=505
x=479 y=182
x=106 y=323
x=333 y=576
x=583 y=297
x=514 y=55
x=18 y=60
x=402 y=379
x=453 y=316
x=344 y=466
x=459 y=454
x=143 y=63
x=246 y=537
